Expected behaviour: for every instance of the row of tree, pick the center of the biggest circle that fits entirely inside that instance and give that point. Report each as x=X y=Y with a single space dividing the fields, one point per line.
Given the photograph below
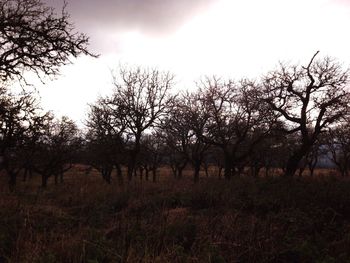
x=33 y=141
x=285 y=120
x=34 y=38
x=282 y=120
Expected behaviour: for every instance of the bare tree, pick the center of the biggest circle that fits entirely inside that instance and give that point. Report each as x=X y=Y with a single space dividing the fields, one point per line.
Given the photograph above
x=309 y=99
x=106 y=139
x=143 y=98
x=237 y=120
x=196 y=117
x=32 y=137
x=338 y=145
x=35 y=38
x=56 y=149
x=152 y=149
x=20 y=119
x=67 y=140
x=177 y=134
x=313 y=156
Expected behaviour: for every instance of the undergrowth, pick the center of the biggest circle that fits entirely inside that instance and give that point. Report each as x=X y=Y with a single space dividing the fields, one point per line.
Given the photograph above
x=243 y=220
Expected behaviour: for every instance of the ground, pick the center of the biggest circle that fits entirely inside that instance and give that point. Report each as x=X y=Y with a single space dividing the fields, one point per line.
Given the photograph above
x=244 y=220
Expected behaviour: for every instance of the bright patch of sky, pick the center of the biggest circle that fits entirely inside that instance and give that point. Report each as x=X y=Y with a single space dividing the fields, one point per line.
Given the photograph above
x=229 y=38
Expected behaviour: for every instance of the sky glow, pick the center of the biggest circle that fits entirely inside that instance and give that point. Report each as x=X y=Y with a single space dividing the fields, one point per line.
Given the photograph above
x=228 y=38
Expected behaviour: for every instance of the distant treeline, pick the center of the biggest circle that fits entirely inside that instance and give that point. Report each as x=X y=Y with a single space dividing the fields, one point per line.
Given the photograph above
x=286 y=119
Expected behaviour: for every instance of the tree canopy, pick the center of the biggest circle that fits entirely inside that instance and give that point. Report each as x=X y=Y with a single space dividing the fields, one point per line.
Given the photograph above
x=33 y=37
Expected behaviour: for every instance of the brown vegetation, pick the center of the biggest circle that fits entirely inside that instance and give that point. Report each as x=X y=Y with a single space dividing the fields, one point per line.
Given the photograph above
x=245 y=220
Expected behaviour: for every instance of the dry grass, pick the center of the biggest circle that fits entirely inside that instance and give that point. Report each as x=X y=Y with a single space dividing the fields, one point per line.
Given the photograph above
x=245 y=220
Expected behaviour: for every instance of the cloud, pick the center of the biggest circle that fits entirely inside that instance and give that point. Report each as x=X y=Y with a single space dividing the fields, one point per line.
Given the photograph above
x=148 y=16
x=103 y=20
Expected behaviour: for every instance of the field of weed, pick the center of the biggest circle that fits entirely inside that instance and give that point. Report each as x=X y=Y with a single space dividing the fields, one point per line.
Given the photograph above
x=244 y=220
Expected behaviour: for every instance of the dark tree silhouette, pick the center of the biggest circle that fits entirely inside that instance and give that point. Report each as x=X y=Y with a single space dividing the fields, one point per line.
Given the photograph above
x=56 y=149
x=143 y=98
x=310 y=160
x=196 y=117
x=309 y=98
x=35 y=38
x=106 y=139
x=29 y=147
x=338 y=145
x=20 y=118
x=236 y=119
x=152 y=154
x=177 y=133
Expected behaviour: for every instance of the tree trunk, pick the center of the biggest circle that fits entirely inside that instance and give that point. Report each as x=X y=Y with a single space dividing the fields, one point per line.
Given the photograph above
x=220 y=171
x=12 y=175
x=147 y=174
x=345 y=168
x=257 y=170
x=44 y=179
x=133 y=157
x=312 y=169
x=240 y=169
x=343 y=172
x=130 y=170
x=312 y=164
x=174 y=170
x=25 y=174
x=61 y=177
x=106 y=174
x=141 y=173
x=12 y=181
x=181 y=168
x=294 y=160
x=228 y=166
x=154 y=173
x=119 y=174
x=267 y=169
x=206 y=169
x=197 y=168
x=108 y=178
x=179 y=173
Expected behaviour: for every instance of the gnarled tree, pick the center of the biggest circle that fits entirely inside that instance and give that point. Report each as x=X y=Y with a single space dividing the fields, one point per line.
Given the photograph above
x=196 y=117
x=106 y=140
x=237 y=119
x=177 y=133
x=34 y=38
x=56 y=149
x=338 y=146
x=21 y=120
x=143 y=98
x=309 y=99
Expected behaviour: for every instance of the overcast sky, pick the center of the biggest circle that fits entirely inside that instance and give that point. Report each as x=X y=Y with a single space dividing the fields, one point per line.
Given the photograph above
x=192 y=38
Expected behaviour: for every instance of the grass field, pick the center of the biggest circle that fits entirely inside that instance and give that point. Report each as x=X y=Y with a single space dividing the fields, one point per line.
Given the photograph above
x=244 y=220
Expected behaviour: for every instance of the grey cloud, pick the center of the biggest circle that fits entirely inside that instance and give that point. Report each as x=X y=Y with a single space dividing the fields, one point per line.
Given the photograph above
x=101 y=19
x=155 y=17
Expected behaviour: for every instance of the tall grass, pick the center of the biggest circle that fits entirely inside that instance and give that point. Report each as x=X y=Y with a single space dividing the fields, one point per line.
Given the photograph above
x=244 y=220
